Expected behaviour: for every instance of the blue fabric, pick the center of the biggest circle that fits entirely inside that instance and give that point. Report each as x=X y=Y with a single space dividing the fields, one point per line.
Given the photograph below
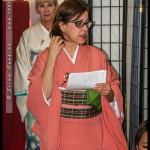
x=32 y=140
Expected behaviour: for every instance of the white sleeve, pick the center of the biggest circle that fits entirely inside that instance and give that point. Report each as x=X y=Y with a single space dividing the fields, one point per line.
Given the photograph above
x=21 y=104
x=47 y=101
x=116 y=108
x=22 y=68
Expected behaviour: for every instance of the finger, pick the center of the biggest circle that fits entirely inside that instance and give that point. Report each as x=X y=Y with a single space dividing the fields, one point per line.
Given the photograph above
x=102 y=92
x=57 y=39
x=60 y=42
x=100 y=84
x=52 y=41
x=62 y=45
x=101 y=88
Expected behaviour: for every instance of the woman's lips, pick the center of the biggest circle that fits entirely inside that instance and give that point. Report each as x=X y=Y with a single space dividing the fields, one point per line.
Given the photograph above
x=83 y=36
x=46 y=15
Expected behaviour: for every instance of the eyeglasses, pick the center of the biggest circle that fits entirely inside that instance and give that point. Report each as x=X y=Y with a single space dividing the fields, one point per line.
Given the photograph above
x=80 y=24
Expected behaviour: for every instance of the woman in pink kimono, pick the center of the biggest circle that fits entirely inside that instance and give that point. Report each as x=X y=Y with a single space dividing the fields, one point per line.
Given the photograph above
x=64 y=120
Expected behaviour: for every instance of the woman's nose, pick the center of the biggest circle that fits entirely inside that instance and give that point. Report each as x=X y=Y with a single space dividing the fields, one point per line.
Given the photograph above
x=45 y=8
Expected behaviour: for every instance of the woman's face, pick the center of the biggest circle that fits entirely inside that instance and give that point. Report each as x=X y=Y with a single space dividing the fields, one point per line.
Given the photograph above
x=143 y=143
x=73 y=33
x=46 y=11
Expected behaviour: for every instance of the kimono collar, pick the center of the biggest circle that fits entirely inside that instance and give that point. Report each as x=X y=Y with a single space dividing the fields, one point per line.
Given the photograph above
x=44 y=29
x=74 y=56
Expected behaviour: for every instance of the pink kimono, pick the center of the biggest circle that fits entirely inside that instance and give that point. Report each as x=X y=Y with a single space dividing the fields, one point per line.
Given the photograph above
x=103 y=131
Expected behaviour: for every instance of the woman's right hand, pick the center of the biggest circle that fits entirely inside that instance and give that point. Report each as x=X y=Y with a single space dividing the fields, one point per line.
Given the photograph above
x=56 y=45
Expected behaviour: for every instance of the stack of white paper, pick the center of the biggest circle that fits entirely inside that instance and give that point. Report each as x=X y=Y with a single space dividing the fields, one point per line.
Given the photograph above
x=85 y=80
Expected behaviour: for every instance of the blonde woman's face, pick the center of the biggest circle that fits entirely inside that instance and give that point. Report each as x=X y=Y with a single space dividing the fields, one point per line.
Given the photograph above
x=143 y=143
x=46 y=11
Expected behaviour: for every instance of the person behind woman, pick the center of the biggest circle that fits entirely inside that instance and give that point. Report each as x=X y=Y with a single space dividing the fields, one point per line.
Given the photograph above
x=68 y=122
x=32 y=42
x=140 y=141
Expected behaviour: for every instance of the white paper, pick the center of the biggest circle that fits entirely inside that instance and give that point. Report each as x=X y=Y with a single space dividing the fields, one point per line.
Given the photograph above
x=85 y=80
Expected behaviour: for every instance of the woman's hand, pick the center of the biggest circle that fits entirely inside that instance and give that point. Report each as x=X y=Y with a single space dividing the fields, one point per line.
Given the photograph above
x=56 y=45
x=105 y=90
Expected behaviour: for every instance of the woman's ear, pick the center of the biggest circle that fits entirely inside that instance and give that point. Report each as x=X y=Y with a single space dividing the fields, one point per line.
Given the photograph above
x=62 y=26
x=137 y=147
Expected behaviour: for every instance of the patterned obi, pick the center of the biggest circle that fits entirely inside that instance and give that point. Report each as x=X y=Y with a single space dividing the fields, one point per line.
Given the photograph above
x=74 y=105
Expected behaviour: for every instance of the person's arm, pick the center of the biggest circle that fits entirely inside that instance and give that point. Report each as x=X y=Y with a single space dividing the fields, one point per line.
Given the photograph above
x=110 y=90
x=21 y=70
x=36 y=102
x=42 y=78
x=47 y=77
x=117 y=103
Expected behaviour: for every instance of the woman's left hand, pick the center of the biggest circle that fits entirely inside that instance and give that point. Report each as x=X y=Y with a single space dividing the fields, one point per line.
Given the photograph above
x=105 y=90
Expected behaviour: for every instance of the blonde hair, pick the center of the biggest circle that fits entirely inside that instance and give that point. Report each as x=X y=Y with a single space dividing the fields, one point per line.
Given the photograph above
x=38 y=2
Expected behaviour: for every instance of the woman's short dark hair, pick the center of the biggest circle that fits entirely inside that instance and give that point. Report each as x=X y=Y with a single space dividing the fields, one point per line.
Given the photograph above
x=140 y=131
x=65 y=12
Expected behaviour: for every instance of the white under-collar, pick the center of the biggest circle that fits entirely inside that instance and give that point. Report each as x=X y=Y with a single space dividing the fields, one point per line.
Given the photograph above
x=44 y=29
x=74 y=56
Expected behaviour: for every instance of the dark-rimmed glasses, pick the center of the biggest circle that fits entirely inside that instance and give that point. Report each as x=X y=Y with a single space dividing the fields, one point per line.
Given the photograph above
x=80 y=24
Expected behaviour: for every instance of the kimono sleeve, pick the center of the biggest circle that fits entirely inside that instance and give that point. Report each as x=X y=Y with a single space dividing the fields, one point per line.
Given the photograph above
x=113 y=80
x=21 y=70
x=111 y=125
x=35 y=101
